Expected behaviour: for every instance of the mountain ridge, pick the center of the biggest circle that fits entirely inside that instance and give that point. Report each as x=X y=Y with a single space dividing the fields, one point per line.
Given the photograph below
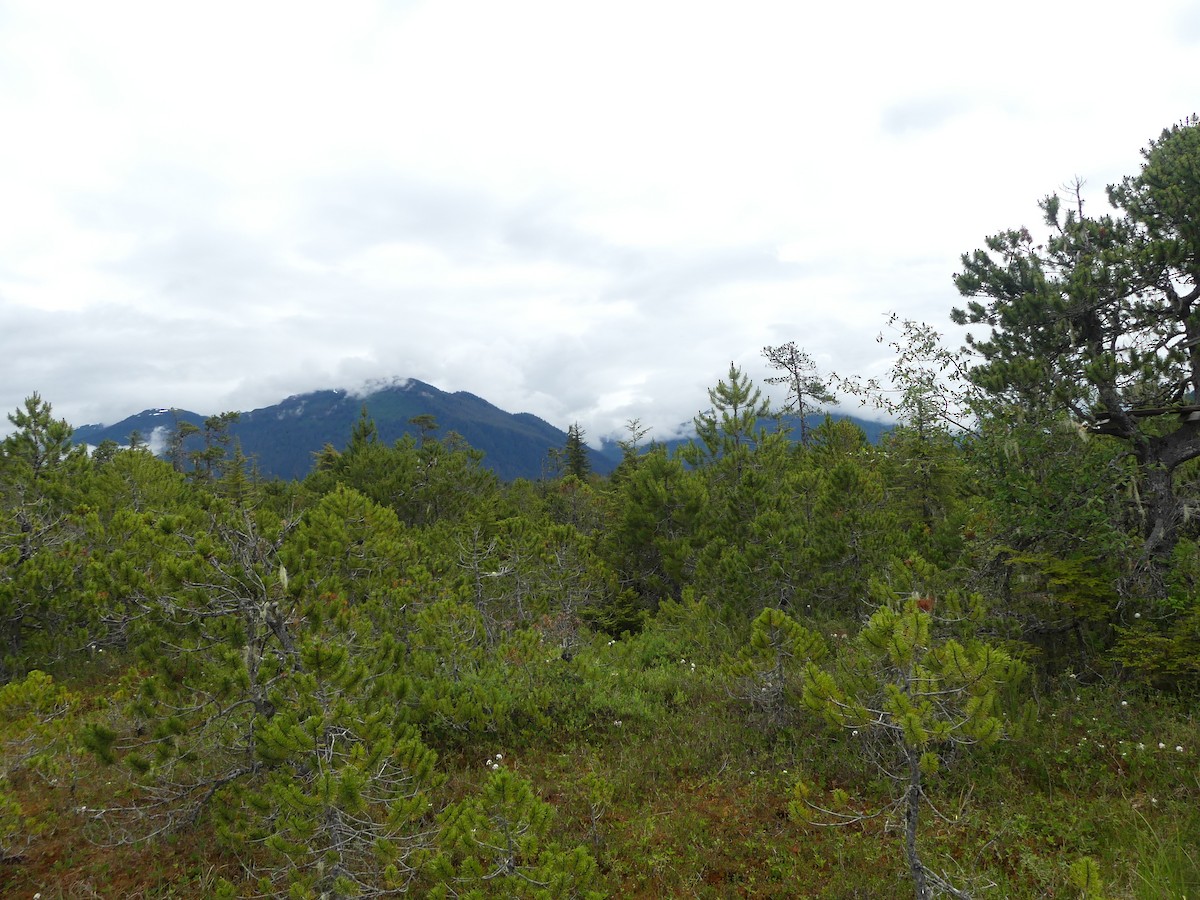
x=284 y=437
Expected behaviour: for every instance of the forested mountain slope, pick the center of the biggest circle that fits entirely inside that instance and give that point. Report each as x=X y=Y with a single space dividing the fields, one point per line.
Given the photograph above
x=284 y=438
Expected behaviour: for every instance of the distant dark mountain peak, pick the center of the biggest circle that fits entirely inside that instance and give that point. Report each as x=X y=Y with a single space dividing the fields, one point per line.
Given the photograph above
x=283 y=438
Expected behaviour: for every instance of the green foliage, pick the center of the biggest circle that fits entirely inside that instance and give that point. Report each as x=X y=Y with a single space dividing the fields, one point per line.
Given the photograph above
x=39 y=447
x=769 y=672
x=807 y=390
x=906 y=697
x=41 y=558
x=211 y=463
x=499 y=844
x=1085 y=875
x=37 y=740
x=524 y=572
x=732 y=424
x=344 y=808
x=15 y=826
x=576 y=454
x=349 y=553
x=1158 y=639
x=38 y=722
x=1098 y=321
x=652 y=541
x=299 y=678
x=424 y=482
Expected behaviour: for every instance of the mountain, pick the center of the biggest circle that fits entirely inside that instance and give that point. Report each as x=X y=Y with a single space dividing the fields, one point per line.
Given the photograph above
x=283 y=438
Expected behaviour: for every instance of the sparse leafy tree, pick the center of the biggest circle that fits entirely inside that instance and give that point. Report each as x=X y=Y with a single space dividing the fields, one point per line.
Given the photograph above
x=807 y=390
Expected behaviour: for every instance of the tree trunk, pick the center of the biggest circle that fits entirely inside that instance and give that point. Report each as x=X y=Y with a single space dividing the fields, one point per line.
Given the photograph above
x=912 y=814
x=1162 y=516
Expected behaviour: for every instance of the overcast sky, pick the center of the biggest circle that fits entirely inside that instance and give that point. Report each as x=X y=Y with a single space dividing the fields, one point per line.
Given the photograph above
x=580 y=210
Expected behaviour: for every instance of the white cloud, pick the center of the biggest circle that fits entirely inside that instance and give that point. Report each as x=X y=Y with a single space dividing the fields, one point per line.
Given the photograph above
x=581 y=212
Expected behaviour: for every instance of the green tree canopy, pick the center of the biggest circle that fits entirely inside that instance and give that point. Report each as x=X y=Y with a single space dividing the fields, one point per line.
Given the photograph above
x=1100 y=320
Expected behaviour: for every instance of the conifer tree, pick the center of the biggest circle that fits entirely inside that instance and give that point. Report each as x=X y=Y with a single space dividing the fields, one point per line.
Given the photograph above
x=41 y=557
x=217 y=631
x=1099 y=321
x=731 y=424
x=904 y=695
x=652 y=543
x=769 y=671
x=744 y=543
x=576 y=453
x=500 y=844
x=424 y=483
x=176 y=450
x=807 y=388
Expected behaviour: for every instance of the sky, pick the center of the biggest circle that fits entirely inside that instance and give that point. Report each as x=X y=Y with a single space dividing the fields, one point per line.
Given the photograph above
x=585 y=211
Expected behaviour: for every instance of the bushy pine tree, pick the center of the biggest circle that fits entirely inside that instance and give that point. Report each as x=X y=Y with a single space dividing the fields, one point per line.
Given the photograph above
x=43 y=612
x=904 y=695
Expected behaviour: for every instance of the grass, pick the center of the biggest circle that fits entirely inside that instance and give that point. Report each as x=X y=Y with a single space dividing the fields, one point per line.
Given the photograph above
x=689 y=797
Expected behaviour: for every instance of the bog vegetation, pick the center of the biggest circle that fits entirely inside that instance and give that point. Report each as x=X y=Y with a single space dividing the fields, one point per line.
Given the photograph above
x=961 y=662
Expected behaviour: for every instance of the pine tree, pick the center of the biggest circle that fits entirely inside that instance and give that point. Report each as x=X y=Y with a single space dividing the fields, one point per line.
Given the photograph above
x=576 y=452
x=40 y=445
x=1099 y=321
x=731 y=424
x=42 y=615
x=905 y=695
x=807 y=388
x=500 y=844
